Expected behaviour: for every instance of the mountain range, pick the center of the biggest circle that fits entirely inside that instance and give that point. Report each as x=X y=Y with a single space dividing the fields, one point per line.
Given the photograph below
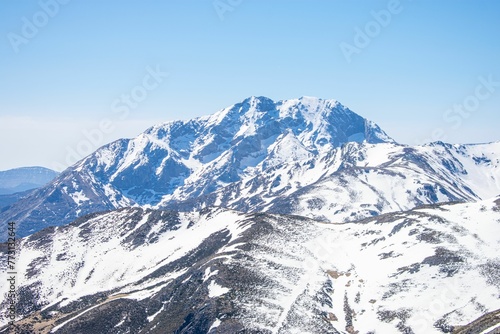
x=294 y=157
x=296 y=216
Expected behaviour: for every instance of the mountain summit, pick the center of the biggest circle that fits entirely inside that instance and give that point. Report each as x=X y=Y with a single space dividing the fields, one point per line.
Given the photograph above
x=229 y=144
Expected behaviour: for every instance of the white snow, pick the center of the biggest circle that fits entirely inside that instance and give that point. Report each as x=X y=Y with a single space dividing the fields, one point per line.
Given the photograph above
x=215 y=290
x=490 y=330
x=208 y=273
x=216 y=324
x=56 y=328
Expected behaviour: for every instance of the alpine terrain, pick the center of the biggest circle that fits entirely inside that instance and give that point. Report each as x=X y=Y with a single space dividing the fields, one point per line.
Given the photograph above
x=307 y=156
x=296 y=216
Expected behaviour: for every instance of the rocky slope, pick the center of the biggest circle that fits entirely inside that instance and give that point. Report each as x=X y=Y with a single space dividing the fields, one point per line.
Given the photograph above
x=137 y=270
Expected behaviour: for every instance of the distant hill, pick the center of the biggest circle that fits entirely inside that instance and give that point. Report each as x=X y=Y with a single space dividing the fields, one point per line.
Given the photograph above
x=6 y=200
x=24 y=178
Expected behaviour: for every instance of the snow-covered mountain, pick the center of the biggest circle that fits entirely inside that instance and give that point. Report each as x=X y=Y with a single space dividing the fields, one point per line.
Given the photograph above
x=24 y=178
x=140 y=270
x=184 y=159
x=306 y=156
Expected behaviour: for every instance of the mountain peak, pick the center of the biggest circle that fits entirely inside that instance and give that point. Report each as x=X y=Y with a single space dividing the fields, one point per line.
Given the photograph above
x=257 y=99
x=313 y=115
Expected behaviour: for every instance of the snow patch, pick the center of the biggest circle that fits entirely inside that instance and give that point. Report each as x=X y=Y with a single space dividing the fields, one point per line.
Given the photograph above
x=215 y=290
x=216 y=324
x=79 y=197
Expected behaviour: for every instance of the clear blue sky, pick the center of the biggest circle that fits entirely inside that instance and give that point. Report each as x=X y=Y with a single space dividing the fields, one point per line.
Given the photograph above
x=410 y=71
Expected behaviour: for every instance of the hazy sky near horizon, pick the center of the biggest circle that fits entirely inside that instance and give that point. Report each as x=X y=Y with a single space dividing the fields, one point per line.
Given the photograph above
x=76 y=75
